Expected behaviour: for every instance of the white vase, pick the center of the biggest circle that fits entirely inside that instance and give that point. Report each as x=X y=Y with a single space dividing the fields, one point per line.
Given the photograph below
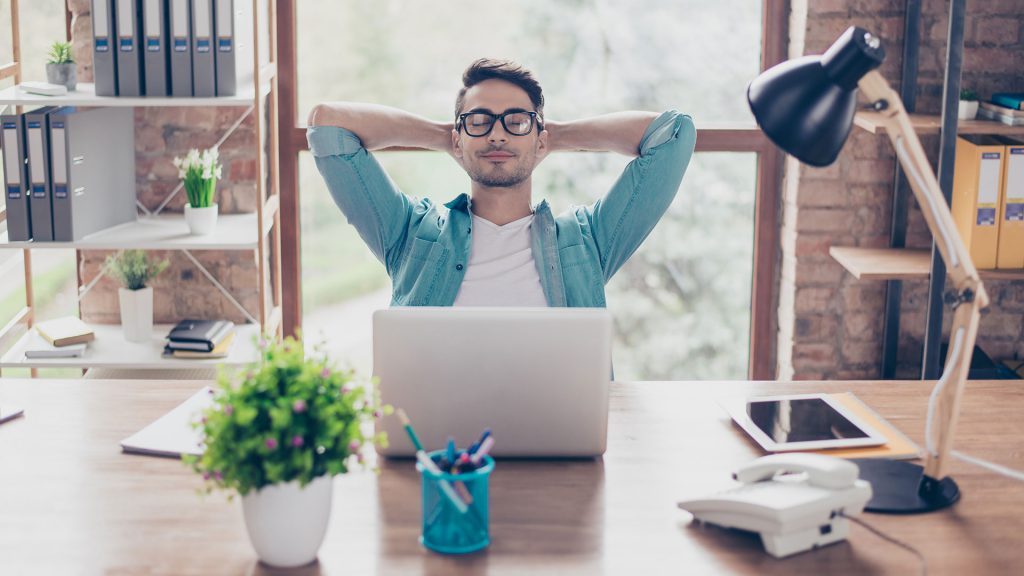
x=287 y=524
x=201 y=221
x=967 y=110
x=136 y=314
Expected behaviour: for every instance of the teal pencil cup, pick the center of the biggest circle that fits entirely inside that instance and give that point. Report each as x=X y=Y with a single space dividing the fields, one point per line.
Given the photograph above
x=448 y=526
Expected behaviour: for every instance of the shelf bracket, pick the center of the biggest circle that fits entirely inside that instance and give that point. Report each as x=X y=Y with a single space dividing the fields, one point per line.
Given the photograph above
x=223 y=138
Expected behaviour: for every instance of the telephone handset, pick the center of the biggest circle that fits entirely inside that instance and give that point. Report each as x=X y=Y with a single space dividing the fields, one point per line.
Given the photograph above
x=792 y=512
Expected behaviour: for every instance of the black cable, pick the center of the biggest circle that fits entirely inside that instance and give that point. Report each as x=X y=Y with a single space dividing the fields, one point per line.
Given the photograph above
x=884 y=536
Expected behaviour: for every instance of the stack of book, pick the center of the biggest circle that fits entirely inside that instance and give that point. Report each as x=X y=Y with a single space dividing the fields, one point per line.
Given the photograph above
x=59 y=338
x=200 y=339
x=1007 y=108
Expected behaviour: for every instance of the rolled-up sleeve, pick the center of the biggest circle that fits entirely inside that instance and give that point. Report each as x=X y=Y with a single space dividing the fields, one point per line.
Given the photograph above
x=623 y=219
x=370 y=201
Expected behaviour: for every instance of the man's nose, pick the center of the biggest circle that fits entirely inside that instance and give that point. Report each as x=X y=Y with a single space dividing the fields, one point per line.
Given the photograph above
x=498 y=133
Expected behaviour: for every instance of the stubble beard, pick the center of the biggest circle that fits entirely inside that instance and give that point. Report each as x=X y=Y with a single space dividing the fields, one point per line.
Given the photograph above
x=500 y=177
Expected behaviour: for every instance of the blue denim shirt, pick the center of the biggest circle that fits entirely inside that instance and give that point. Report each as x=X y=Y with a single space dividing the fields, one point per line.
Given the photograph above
x=425 y=247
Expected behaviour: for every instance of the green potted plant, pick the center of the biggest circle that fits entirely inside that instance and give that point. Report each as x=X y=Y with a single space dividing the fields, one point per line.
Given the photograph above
x=200 y=172
x=968 y=107
x=60 y=66
x=134 y=269
x=276 y=435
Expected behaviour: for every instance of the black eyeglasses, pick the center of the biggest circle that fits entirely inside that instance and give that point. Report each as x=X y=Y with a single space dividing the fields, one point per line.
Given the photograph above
x=515 y=122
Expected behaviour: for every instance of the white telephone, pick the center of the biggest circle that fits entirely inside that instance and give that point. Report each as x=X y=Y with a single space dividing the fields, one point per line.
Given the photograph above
x=792 y=513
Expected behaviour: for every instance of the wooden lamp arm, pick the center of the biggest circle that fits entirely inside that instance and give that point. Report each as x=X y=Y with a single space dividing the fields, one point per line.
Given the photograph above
x=970 y=296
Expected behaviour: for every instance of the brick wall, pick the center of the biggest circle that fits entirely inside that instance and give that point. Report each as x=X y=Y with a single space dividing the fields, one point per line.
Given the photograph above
x=830 y=323
x=160 y=135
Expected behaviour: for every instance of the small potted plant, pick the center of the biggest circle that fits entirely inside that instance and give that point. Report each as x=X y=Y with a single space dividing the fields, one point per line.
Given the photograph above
x=134 y=270
x=968 y=108
x=60 y=66
x=276 y=435
x=200 y=172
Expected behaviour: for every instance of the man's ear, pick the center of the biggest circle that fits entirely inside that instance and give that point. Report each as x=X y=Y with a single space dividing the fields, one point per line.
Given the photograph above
x=456 y=144
x=542 y=145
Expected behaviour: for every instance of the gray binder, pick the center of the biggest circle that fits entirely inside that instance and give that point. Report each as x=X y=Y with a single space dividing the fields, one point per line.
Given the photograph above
x=154 y=43
x=104 y=61
x=19 y=223
x=180 y=53
x=129 y=56
x=92 y=153
x=234 y=45
x=204 y=72
x=37 y=142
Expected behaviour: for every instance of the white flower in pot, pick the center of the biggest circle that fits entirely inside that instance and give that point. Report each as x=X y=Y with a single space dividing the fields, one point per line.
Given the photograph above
x=276 y=435
x=134 y=270
x=60 y=66
x=200 y=172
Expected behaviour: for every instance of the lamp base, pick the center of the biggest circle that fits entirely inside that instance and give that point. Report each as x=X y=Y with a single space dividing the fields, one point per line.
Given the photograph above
x=900 y=487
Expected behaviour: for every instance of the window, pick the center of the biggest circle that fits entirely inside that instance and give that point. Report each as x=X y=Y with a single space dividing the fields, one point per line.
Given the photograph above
x=682 y=304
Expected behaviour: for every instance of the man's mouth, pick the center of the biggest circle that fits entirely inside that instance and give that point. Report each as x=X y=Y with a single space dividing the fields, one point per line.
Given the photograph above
x=497 y=156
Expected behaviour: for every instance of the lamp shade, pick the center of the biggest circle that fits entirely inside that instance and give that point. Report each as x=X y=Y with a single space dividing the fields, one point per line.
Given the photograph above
x=806 y=106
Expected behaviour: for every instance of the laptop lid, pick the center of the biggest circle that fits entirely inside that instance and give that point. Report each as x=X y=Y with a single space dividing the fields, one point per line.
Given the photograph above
x=538 y=377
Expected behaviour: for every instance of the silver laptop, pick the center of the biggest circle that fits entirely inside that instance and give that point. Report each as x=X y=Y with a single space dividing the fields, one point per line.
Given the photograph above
x=537 y=377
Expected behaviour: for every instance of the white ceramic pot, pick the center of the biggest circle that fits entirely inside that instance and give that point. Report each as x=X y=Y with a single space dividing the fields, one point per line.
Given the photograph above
x=287 y=524
x=967 y=110
x=136 y=314
x=201 y=221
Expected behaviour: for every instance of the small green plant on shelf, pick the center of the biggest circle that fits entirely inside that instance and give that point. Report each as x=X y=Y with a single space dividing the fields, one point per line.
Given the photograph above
x=968 y=95
x=199 y=171
x=60 y=53
x=133 y=268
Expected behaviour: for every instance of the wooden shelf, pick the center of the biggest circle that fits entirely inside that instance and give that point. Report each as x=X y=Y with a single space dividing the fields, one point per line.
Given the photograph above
x=165 y=232
x=899 y=264
x=111 y=350
x=85 y=95
x=924 y=124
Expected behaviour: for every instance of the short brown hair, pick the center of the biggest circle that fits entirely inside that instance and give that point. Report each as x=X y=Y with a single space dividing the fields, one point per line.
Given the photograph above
x=507 y=70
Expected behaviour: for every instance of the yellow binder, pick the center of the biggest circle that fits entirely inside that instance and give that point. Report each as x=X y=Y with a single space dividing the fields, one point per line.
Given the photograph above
x=1011 y=207
x=977 y=176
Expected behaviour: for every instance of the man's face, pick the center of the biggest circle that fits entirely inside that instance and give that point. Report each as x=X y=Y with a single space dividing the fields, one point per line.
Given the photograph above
x=499 y=159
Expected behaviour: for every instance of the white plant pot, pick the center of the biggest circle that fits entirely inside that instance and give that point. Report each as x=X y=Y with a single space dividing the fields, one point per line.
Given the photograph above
x=136 y=314
x=967 y=110
x=287 y=524
x=201 y=221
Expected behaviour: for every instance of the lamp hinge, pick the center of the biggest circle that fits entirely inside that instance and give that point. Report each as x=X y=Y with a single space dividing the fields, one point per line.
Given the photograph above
x=955 y=299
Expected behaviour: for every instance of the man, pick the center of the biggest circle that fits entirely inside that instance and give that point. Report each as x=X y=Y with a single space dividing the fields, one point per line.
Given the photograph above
x=494 y=247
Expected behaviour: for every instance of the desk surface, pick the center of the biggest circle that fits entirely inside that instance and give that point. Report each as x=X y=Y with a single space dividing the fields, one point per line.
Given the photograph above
x=70 y=502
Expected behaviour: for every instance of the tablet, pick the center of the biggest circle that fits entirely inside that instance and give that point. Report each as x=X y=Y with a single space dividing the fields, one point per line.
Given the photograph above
x=801 y=422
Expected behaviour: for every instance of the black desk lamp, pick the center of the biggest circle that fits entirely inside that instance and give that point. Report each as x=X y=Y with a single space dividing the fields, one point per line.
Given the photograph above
x=806 y=107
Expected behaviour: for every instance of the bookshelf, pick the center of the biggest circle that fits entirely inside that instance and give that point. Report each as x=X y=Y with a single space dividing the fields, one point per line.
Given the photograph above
x=930 y=124
x=258 y=231
x=899 y=264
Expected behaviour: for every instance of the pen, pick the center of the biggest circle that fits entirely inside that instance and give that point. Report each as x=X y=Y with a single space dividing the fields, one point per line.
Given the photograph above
x=445 y=485
x=485 y=447
x=408 y=430
x=476 y=445
x=451 y=451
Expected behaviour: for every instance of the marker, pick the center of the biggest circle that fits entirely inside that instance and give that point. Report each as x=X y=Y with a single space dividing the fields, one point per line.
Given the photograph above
x=451 y=451
x=476 y=445
x=408 y=430
x=484 y=449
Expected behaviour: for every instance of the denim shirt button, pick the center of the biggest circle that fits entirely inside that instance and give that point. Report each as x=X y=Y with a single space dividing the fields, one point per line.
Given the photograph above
x=458 y=266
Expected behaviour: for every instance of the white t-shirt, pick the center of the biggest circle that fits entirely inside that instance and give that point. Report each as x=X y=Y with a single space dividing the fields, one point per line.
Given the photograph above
x=501 y=270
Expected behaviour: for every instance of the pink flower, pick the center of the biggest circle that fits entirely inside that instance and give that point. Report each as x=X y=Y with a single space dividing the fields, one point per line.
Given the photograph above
x=325 y=372
x=346 y=388
x=271 y=443
x=228 y=409
x=377 y=414
x=353 y=445
x=218 y=475
x=299 y=406
x=206 y=475
x=297 y=441
x=263 y=342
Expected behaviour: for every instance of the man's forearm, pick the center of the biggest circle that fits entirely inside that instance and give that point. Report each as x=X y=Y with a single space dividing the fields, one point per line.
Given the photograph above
x=383 y=126
x=618 y=132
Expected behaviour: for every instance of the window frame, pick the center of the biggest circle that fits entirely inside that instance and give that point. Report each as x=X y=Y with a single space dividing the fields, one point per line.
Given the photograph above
x=761 y=364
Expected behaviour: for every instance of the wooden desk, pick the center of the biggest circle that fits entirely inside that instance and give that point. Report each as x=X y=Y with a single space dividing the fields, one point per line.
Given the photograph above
x=71 y=503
